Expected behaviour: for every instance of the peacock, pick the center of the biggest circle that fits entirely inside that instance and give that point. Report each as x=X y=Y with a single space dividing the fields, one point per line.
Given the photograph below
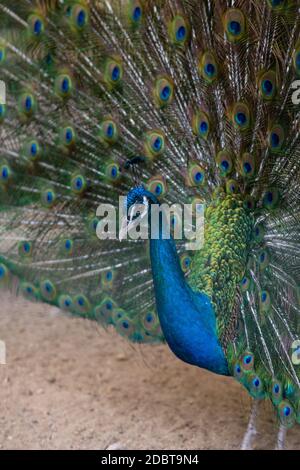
x=160 y=102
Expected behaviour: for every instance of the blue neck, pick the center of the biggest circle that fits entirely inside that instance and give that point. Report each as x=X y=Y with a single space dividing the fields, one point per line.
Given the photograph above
x=187 y=318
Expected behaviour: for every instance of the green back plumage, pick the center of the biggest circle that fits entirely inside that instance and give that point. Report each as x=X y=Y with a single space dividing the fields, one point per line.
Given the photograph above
x=202 y=92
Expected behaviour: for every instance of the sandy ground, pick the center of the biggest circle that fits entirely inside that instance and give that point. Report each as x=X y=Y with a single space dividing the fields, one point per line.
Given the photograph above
x=68 y=384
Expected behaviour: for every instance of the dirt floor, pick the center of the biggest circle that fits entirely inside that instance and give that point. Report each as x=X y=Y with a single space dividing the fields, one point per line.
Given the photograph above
x=68 y=384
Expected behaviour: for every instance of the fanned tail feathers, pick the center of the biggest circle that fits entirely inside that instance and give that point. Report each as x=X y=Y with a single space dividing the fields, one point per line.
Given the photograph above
x=201 y=91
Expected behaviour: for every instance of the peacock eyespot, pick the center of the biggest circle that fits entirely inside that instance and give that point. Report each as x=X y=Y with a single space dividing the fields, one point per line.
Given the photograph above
x=65 y=85
x=165 y=93
x=237 y=371
x=69 y=135
x=81 y=18
x=201 y=124
x=267 y=86
x=248 y=359
x=48 y=197
x=137 y=14
x=78 y=184
x=232 y=187
x=208 y=67
x=247 y=167
x=256 y=382
x=271 y=198
x=241 y=118
x=203 y=127
x=33 y=149
x=154 y=144
x=276 y=389
x=110 y=131
x=48 y=290
x=157 y=144
x=234 y=27
x=25 y=248
x=116 y=73
x=225 y=165
x=179 y=31
x=234 y=24
x=210 y=70
x=27 y=105
x=149 y=318
x=198 y=177
x=5 y=173
x=158 y=189
x=113 y=72
x=38 y=26
x=275 y=140
x=68 y=245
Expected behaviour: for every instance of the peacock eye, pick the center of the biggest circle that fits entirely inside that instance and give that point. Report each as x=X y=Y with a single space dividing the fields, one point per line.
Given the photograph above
x=201 y=124
x=113 y=72
x=163 y=91
x=256 y=382
x=63 y=85
x=241 y=116
x=154 y=144
x=35 y=25
x=81 y=17
x=268 y=85
x=179 y=31
x=108 y=131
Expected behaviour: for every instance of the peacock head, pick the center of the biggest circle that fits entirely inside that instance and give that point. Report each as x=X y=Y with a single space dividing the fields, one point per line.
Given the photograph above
x=137 y=204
